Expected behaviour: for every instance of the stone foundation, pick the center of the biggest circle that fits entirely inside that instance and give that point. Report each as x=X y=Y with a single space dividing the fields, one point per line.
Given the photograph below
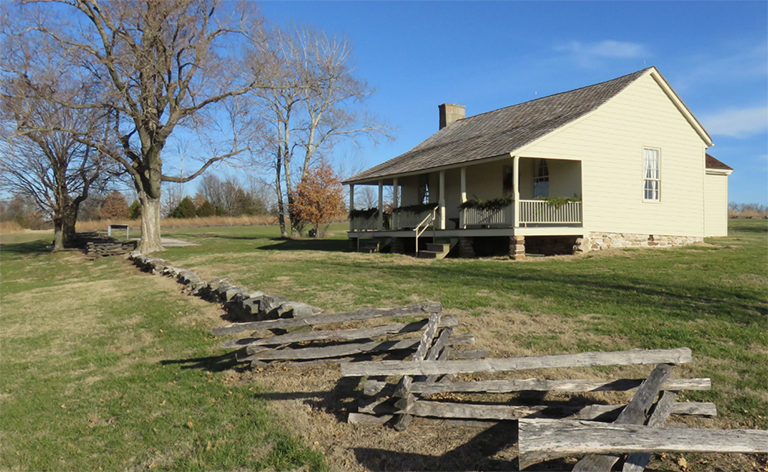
x=517 y=247
x=598 y=241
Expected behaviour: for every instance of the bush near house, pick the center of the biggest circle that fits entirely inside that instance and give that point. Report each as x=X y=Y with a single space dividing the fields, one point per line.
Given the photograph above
x=318 y=198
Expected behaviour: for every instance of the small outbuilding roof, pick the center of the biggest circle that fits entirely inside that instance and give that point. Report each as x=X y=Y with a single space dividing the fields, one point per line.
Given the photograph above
x=712 y=163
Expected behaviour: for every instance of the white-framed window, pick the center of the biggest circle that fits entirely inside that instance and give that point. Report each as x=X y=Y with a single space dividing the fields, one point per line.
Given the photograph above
x=651 y=175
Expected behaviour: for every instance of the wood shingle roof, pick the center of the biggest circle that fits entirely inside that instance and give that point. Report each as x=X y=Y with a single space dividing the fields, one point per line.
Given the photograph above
x=712 y=163
x=498 y=132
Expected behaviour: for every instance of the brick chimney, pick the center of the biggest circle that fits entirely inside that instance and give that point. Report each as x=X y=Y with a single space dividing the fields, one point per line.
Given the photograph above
x=449 y=113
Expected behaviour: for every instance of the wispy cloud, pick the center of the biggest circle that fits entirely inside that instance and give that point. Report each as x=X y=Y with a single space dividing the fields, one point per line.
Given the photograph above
x=605 y=49
x=734 y=62
x=737 y=122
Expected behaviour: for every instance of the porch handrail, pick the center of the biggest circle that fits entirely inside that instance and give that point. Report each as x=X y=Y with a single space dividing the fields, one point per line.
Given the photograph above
x=496 y=216
x=541 y=211
x=430 y=218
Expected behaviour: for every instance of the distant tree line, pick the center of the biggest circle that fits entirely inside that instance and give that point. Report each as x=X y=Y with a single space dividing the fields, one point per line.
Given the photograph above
x=747 y=210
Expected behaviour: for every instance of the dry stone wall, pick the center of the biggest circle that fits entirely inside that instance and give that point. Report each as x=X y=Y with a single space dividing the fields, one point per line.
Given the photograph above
x=598 y=241
x=241 y=303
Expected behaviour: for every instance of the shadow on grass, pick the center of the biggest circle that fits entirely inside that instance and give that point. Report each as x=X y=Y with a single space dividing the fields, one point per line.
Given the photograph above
x=221 y=363
x=475 y=454
x=38 y=247
x=757 y=229
x=326 y=245
x=675 y=300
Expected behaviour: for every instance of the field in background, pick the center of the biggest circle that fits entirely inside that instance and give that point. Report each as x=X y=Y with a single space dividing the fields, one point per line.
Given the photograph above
x=169 y=223
x=98 y=357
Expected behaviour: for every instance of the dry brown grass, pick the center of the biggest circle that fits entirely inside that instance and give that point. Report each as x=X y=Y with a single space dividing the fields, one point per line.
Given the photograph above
x=747 y=210
x=100 y=225
x=11 y=227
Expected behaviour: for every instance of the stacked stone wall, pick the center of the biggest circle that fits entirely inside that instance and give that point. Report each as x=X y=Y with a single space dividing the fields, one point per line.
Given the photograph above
x=598 y=241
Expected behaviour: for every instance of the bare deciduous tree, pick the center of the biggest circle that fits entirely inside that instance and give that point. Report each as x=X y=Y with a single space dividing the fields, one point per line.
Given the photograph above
x=312 y=104
x=43 y=157
x=166 y=64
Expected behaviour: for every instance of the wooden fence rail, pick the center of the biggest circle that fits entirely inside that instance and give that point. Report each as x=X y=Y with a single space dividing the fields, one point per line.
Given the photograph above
x=542 y=439
x=585 y=359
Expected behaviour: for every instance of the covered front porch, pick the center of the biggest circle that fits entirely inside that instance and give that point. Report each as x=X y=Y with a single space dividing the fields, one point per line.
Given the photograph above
x=512 y=196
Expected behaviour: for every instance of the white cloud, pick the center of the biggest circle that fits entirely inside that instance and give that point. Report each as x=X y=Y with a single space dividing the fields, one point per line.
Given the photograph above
x=737 y=122
x=605 y=49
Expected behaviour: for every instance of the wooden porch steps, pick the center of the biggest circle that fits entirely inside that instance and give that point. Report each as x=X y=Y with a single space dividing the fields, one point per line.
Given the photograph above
x=435 y=251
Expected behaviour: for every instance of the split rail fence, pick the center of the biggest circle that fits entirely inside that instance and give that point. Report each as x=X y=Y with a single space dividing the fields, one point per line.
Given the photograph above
x=555 y=430
x=269 y=340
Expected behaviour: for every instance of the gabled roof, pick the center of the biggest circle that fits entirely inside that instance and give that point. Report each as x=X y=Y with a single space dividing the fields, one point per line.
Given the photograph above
x=712 y=163
x=503 y=131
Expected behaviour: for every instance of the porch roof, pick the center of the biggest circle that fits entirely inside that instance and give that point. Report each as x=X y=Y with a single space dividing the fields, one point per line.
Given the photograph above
x=500 y=131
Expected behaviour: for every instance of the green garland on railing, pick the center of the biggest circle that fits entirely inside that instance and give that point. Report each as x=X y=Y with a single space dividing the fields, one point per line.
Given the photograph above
x=558 y=202
x=415 y=209
x=367 y=213
x=495 y=204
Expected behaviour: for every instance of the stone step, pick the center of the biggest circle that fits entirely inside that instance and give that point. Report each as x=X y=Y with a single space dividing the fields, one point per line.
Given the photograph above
x=432 y=254
x=439 y=247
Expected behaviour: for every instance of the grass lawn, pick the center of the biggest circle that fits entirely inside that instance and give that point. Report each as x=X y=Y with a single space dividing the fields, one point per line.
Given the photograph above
x=106 y=368
x=103 y=366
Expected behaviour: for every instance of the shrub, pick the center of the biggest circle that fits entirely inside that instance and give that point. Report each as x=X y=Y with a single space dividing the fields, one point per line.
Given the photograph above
x=206 y=209
x=186 y=209
x=318 y=198
x=114 y=207
x=134 y=210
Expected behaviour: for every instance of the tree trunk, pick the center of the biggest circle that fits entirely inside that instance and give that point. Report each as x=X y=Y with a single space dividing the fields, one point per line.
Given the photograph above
x=58 y=235
x=279 y=192
x=64 y=222
x=150 y=224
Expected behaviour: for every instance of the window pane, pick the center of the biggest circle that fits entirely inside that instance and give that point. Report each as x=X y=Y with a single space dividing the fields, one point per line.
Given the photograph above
x=651 y=174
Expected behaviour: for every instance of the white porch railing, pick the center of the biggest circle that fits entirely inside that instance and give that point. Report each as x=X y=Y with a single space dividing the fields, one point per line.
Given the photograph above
x=501 y=217
x=541 y=211
x=531 y=212
x=362 y=223
x=405 y=220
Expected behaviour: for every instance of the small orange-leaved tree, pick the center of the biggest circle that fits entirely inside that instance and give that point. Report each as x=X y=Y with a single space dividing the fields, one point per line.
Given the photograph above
x=318 y=198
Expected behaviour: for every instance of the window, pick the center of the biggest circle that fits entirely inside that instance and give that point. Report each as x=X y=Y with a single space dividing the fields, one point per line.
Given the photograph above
x=508 y=183
x=424 y=188
x=651 y=175
x=541 y=179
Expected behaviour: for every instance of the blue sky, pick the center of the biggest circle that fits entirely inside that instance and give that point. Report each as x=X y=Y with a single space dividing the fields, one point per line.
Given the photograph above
x=487 y=55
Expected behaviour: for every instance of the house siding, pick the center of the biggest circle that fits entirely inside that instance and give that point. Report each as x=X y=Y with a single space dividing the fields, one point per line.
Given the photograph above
x=610 y=141
x=715 y=205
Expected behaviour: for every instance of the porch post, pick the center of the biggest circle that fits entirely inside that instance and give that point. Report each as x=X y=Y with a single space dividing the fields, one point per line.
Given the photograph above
x=516 y=180
x=351 y=204
x=395 y=192
x=380 y=222
x=442 y=200
x=463 y=195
